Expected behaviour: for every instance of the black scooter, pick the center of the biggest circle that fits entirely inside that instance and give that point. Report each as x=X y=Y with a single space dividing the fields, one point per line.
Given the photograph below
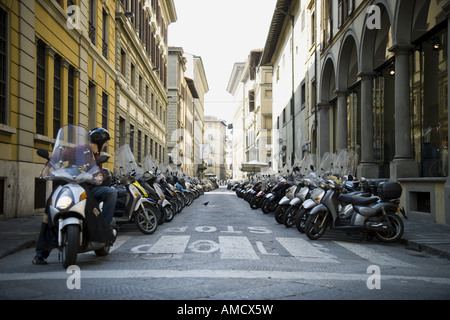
x=376 y=215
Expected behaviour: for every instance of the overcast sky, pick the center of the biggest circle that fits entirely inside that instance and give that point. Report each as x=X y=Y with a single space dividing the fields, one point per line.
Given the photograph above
x=221 y=33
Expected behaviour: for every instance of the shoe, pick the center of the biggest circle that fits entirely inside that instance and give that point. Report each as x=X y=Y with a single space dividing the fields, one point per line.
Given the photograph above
x=39 y=260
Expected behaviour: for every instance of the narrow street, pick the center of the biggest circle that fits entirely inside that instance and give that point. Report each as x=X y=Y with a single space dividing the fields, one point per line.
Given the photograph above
x=226 y=251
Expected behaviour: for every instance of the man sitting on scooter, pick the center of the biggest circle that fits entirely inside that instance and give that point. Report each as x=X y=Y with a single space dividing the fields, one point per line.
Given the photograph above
x=103 y=193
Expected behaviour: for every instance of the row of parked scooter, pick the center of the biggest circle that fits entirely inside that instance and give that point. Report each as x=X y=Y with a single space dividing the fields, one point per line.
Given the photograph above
x=315 y=199
x=152 y=194
x=148 y=195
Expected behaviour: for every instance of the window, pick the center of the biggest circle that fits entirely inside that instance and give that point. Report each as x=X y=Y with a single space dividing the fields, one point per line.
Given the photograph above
x=145 y=145
x=2 y=195
x=151 y=147
x=105 y=34
x=140 y=85
x=3 y=65
x=303 y=96
x=429 y=100
x=330 y=20
x=57 y=95
x=92 y=24
x=345 y=9
x=122 y=61
x=132 y=75
x=152 y=102
x=251 y=100
x=139 y=146
x=131 y=138
x=71 y=96
x=105 y=110
x=40 y=88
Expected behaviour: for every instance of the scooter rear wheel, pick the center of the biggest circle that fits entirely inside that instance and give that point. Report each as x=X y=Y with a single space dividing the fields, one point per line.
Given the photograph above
x=395 y=231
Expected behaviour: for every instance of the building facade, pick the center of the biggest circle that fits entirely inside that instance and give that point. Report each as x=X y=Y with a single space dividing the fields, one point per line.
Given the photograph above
x=236 y=89
x=373 y=77
x=250 y=84
x=187 y=87
x=142 y=84
x=53 y=51
x=388 y=98
x=195 y=73
x=71 y=62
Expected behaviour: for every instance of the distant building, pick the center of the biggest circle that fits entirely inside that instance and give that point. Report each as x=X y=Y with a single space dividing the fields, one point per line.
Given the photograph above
x=251 y=87
x=214 y=148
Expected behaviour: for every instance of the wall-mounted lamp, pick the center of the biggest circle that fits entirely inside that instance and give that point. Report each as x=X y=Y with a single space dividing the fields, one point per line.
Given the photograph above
x=436 y=43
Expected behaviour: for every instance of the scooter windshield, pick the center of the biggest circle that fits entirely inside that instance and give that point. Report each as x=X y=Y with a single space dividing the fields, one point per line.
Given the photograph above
x=149 y=164
x=126 y=162
x=72 y=158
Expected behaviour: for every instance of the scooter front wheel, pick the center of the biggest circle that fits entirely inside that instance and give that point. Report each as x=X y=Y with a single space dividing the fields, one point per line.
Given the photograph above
x=300 y=220
x=71 y=240
x=316 y=225
x=146 y=219
x=169 y=213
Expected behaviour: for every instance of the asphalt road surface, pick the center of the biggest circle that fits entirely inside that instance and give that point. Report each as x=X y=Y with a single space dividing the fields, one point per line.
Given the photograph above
x=225 y=251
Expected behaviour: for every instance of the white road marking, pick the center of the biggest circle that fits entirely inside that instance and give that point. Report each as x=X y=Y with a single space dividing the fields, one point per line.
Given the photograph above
x=236 y=248
x=263 y=250
x=304 y=251
x=119 y=241
x=170 y=244
x=226 y=274
x=372 y=255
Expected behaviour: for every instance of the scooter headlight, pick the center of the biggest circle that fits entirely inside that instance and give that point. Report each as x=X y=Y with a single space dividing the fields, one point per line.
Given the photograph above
x=65 y=200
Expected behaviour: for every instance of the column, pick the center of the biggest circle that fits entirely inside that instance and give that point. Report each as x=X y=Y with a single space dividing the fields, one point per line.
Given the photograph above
x=446 y=8
x=403 y=165
x=342 y=133
x=367 y=167
x=49 y=74
x=323 y=129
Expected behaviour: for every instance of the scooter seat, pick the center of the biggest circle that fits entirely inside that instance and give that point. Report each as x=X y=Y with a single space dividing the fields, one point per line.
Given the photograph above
x=357 y=199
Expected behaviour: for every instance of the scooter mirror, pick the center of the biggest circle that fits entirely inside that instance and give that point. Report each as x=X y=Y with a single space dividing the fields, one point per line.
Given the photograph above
x=102 y=159
x=43 y=153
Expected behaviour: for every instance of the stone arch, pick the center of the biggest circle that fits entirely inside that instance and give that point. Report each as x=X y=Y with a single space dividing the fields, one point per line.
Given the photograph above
x=375 y=43
x=328 y=80
x=348 y=61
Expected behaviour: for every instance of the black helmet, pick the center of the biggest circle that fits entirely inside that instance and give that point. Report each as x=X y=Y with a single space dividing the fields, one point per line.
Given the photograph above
x=99 y=136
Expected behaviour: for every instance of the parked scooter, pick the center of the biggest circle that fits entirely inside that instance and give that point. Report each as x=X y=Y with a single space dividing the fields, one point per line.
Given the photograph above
x=132 y=204
x=72 y=208
x=276 y=194
x=295 y=205
x=377 y=215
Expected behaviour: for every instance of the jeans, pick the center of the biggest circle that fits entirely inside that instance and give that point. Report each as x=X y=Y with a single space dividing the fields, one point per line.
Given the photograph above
x=109 y=197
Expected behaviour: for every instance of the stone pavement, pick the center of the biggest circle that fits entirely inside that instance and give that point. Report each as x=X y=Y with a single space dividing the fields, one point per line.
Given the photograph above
x=19 y=233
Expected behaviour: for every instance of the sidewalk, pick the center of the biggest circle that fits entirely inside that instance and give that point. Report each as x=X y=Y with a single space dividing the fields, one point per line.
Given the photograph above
x=17 y=234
